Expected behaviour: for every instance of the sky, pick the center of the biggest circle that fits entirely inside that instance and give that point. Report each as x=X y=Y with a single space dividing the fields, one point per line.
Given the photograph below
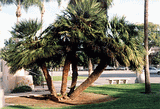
x=133 y=10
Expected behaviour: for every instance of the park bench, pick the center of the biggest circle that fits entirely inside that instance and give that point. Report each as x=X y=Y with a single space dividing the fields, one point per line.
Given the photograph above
x=118 y=80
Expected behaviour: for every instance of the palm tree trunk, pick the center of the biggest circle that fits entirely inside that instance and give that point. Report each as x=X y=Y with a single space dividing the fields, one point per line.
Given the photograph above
x=65 y=75
x=49 y=82
x=74 y=75
x=0 y=7
x=18 y=15
x=146 y=66
x=93 y=77
x=42 y=13
x=18 y=11
x=89 y=67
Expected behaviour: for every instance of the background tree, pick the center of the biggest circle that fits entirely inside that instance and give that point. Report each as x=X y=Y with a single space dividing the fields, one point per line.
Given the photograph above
x=153 y=39
x=20 y=4
x=156 y=59
x=153 y=34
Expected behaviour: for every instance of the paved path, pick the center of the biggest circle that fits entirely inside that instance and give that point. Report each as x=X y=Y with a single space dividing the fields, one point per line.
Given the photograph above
x=39 y=90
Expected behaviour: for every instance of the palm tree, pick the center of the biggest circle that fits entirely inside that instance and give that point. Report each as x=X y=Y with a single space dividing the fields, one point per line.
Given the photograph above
x=122 y=48
x=31 y=50
x=85 y=28
x=146 y=66
x=81 y=28
x=20 y=4
x=105 y=4
x=79 y=15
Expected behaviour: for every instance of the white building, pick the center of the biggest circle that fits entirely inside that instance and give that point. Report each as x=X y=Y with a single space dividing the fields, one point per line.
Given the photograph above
x=10 y=81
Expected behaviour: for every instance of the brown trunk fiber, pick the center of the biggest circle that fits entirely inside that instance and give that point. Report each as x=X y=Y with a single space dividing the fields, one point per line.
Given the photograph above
x=74 y=75
x=93 y=77
x=65 y=75
x=49 y=82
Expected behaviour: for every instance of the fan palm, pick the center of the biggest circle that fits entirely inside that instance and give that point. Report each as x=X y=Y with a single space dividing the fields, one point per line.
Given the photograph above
x=122 y=47
x=104 y=4
x=32 y=50
x=87 y=25
x=126 y=34
x=78 y=21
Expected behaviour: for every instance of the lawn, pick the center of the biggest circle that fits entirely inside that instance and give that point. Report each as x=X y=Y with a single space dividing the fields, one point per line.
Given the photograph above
x=59 y=78
x=130 y=96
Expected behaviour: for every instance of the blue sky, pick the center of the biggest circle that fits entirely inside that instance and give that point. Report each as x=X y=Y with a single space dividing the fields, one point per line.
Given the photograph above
x=133 y=10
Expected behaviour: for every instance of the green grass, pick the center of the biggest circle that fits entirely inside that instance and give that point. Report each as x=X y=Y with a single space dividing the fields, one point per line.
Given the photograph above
x=59 y=78
x=129 y=96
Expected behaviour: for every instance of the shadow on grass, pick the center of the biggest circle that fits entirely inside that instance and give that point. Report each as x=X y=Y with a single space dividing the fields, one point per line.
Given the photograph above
x=129 y=97
x=17 y=107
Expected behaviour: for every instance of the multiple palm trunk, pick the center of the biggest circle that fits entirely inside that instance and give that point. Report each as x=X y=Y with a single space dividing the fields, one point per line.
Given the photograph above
x=73 y=93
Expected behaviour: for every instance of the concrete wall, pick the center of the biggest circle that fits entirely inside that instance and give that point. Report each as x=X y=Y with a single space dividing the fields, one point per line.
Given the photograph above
x=10 y=81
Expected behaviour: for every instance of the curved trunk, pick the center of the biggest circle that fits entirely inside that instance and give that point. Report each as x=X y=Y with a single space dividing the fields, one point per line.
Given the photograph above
x=93 y=77
x=49 y=82
x=65 y=75
x=74 y=75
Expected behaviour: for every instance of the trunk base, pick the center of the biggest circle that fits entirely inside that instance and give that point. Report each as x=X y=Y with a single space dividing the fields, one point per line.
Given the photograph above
x=52 y=97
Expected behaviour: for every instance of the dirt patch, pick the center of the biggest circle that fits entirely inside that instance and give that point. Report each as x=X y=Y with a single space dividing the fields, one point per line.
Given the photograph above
x=44 y=101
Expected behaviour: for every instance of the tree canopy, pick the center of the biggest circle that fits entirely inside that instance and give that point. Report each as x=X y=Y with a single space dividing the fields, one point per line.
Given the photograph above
x=153 y=34
x=82 y=28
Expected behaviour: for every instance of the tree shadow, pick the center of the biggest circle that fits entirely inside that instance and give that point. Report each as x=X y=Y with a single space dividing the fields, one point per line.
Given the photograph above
x=19 y=107
x=80 y=100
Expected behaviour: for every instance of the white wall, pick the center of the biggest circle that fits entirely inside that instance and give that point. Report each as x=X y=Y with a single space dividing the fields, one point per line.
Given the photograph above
x=9 y=81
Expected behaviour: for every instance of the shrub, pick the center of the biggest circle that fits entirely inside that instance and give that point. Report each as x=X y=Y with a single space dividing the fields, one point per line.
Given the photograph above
x=37 y=75
x=22 y=89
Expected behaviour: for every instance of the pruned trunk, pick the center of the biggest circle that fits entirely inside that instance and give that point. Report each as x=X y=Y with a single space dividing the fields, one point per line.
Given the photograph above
x=65 y=75
x=49 y=82
x=93 y=77
x=146 y=66
x=74 y=75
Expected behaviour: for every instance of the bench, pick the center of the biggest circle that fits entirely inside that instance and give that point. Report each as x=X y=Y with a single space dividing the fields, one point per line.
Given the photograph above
x=118 y=80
